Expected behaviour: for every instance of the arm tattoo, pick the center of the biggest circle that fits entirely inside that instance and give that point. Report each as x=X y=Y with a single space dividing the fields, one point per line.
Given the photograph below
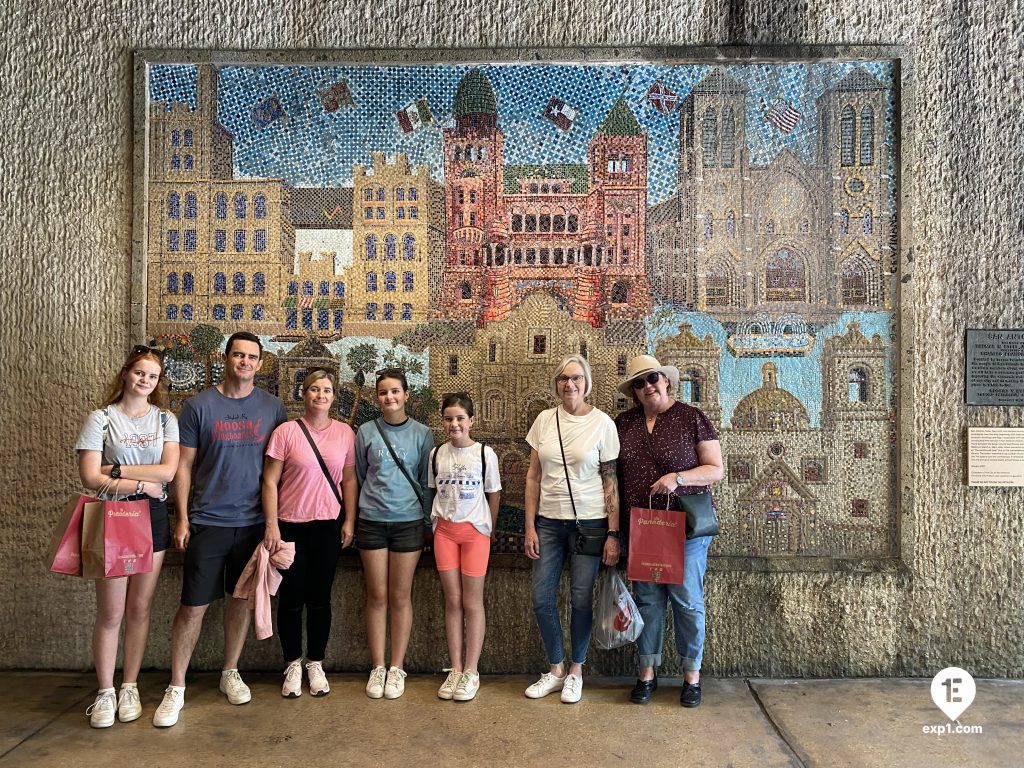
x=608 y=468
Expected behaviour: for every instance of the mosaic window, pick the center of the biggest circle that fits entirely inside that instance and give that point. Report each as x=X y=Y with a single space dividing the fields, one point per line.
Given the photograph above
x=785 y=278
x=867 y=136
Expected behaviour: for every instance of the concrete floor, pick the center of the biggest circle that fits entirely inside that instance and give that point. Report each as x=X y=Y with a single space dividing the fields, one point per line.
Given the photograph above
x=760 y=723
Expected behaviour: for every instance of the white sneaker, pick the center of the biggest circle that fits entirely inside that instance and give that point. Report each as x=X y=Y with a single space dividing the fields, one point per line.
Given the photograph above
x=447 y=689
x=396 y=683
x=469 y=684
x=572 y=691
x=232 y=686
x=548 y=683
x=292 y=687
x=375 y=686
x=166 y=714
x=101 y=713
x=317 y=679
x=129 y=707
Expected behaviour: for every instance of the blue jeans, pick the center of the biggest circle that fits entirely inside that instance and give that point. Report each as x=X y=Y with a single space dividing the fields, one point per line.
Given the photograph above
x=687 y=600
x=557 y=538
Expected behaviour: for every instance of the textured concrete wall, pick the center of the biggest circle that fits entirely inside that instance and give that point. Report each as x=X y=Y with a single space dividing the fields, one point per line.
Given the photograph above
x=66 y=202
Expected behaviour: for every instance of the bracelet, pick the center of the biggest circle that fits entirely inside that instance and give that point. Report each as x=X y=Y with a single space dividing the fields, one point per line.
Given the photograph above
x=139 y=488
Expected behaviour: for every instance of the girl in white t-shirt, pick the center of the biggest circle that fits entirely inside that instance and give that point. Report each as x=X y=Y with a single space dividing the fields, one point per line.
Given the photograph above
x=465 y=512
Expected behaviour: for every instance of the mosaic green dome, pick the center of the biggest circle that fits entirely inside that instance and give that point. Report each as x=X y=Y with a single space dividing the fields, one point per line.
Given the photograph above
x=475 y=96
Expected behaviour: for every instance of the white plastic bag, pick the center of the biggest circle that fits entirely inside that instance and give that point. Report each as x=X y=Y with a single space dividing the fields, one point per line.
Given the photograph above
x=616 y=618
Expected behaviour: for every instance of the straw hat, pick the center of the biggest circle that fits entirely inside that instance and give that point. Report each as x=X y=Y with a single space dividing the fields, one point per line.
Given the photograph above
x=641 y=365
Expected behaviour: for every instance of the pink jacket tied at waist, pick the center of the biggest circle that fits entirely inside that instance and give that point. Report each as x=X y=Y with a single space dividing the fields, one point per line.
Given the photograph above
x=260 y=579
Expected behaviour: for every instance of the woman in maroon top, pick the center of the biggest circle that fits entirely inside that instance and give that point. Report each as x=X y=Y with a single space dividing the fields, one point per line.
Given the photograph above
x=667 y=447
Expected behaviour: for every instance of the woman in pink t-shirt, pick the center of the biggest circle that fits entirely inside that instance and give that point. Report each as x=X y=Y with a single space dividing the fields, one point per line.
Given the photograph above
x=301 y=505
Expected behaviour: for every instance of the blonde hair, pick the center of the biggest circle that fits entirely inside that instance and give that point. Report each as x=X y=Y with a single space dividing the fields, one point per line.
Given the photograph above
x=581 y=361
x=316 y=375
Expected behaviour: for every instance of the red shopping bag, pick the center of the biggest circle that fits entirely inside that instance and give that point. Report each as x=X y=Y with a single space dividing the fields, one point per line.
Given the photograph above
x=117 y=539
x=657 y=538
x=65 y=552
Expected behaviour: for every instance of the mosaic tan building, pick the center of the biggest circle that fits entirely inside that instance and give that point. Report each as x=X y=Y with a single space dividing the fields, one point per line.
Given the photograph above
x=792 y=488
x=398 y=245
x=219 y=248
x=508 y=371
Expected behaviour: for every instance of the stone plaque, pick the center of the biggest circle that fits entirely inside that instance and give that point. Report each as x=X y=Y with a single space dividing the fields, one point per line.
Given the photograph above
x=994 y=367
x=995 y=456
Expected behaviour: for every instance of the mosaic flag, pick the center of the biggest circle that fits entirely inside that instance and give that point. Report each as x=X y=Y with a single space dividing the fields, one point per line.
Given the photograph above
x=559 y=113
x=267 y=111
x=337 y=96
x=783 y=115
x=414 y=116
x=661 y=98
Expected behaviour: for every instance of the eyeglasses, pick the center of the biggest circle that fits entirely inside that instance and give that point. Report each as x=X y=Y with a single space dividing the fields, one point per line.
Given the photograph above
x=576 y=379
x=651 y=378
x=142 y=349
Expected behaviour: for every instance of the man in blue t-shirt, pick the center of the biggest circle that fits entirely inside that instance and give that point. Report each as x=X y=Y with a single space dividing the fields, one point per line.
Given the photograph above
x=219 y=513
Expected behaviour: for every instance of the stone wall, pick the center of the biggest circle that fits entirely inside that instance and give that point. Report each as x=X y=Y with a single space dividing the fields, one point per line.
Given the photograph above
x=957 y=595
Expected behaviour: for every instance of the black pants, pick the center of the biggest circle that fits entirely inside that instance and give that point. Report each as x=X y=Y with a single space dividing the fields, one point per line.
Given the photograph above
x=308 y=584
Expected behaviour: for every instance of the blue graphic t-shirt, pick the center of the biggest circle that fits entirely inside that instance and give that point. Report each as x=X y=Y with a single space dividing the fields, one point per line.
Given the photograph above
x=230 y=436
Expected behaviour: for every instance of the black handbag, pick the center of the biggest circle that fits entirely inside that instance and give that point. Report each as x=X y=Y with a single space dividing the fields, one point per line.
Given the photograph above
x=589 y=539
x=701 y=519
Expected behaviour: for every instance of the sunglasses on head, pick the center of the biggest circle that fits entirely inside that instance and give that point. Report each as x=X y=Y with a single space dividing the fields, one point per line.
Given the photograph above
x=651 y=378
x=142 y=349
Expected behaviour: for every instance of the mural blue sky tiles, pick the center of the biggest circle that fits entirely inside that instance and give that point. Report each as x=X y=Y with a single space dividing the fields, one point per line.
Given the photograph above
x=313 y=147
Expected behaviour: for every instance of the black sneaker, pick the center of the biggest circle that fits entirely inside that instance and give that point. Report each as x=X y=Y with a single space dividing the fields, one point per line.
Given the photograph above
x=643 y=690
x=690 y=695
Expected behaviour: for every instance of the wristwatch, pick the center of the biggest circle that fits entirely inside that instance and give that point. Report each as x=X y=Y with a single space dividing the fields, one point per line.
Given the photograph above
x=679 y=479
x=613 y=534
x=115 y=470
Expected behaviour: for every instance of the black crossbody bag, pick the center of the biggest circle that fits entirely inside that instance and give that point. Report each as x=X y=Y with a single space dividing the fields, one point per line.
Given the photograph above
x=589 y=539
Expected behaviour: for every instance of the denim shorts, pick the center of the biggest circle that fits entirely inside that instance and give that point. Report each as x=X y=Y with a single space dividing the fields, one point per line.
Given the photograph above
x=394 y=537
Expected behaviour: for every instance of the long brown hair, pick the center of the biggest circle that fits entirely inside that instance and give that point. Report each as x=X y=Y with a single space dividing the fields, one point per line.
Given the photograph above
x=158 y=397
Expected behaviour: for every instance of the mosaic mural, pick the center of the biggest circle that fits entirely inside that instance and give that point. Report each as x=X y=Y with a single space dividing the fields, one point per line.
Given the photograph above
x=474 y=224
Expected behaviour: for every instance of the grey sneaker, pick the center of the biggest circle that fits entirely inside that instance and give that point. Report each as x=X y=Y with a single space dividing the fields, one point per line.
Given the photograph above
x=101 y=713
x=232 y=686
x=395 y=686
x=166 y=714
x=375 y=685
x=317 y=679
x=129 y=707
x=548 y=683
x=292 y=687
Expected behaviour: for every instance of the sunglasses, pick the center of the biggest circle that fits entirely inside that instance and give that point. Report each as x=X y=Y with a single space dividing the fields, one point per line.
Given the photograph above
x=142 y=349
x=650 y=378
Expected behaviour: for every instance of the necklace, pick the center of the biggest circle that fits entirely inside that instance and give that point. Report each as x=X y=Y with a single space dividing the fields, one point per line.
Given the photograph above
x=326 y=424
x=131 y=415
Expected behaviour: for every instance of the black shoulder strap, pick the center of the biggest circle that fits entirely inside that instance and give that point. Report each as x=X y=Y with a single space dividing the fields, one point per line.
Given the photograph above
x=561 y=447
x=398 y=461
x=323 y=464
